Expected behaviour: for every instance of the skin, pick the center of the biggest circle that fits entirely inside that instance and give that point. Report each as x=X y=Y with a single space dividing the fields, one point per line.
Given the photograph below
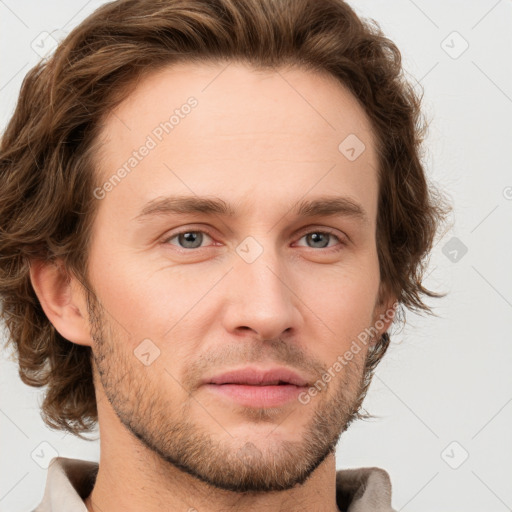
x=261 y=141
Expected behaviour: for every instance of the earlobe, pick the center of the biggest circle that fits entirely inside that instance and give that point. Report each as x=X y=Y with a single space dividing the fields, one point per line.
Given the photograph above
x=53 y=287
x=387 y=315
x=385 y=311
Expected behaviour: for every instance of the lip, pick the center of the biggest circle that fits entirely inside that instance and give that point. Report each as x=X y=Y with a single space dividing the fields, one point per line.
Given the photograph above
x=257 y=396
x=253 y=387
x=259 y=377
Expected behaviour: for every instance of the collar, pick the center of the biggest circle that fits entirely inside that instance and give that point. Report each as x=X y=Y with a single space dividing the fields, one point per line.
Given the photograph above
x=70 y=481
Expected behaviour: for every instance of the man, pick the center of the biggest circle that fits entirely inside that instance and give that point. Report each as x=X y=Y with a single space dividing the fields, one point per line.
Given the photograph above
x=211 y=212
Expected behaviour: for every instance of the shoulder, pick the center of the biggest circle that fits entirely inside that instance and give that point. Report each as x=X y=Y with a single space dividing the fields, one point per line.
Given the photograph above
x=367 y=488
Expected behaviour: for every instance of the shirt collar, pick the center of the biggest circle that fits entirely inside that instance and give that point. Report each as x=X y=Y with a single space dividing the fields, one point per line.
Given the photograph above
x=70 y=481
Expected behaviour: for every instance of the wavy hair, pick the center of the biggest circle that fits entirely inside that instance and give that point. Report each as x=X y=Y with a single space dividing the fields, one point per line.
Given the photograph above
x=47 y=171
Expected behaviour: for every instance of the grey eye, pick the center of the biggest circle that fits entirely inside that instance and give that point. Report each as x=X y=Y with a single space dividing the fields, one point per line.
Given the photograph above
x=319 y=239
x=188 y=239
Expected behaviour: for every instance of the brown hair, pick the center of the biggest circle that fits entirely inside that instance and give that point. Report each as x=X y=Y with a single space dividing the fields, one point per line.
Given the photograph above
x=47 y=151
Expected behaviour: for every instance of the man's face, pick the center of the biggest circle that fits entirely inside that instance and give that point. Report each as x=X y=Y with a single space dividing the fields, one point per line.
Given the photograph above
x=266 y=287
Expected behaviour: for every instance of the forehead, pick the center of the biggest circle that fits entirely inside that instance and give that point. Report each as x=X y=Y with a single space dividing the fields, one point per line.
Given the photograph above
x=227 y=128
x=226 y=92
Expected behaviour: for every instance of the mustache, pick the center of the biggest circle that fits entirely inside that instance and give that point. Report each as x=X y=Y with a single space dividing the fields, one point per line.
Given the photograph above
x=242 y=352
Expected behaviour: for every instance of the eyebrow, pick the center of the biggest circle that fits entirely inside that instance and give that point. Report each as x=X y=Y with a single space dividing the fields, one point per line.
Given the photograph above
x=321 y=206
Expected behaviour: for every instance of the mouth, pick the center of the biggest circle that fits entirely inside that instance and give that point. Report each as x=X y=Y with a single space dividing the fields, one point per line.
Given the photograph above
x=259 y=377
x=252 y=387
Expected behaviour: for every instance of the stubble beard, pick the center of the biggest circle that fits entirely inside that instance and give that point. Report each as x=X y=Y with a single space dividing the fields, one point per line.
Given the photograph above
x=230 y=464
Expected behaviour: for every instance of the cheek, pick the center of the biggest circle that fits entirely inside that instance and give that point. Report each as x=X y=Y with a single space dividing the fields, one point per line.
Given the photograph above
x=131 y=305
x=343 y=303
x=145 y=301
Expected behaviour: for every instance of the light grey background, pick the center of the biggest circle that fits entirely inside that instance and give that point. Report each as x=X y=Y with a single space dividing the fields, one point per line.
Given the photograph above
x=443 y=392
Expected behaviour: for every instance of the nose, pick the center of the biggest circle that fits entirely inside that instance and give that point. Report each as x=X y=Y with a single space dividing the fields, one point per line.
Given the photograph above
x=261 y=298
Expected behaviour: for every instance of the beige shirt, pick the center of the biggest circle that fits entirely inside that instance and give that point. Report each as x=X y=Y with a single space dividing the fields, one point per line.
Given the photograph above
x=70 y=481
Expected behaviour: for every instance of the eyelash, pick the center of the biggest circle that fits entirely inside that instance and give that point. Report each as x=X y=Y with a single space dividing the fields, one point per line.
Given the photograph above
x=323 y=231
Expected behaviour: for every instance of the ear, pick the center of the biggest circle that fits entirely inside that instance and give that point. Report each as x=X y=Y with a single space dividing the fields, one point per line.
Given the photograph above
x=385 y=311
x=61 y=301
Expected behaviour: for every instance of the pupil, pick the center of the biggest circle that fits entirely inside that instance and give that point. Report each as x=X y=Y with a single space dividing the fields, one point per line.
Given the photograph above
x=316 y=237
x=191 y=240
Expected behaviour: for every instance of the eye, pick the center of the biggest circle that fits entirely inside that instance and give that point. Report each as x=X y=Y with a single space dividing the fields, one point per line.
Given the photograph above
x=188 y=239
x=320 y=239
x=193 y=239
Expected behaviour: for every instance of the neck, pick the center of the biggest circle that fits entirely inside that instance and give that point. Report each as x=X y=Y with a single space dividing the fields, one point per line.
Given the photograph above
x=131 y=478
